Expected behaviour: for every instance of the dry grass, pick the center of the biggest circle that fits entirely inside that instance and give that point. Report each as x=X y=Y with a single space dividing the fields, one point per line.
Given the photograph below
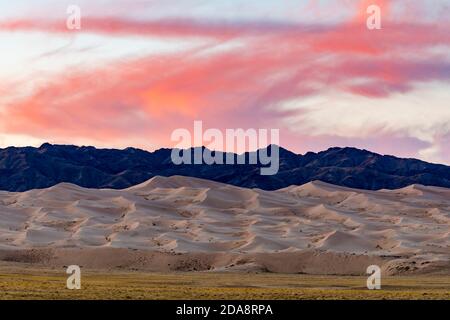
x=27 y=283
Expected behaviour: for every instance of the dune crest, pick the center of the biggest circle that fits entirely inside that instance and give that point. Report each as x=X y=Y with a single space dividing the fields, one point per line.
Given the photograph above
x=184 y=215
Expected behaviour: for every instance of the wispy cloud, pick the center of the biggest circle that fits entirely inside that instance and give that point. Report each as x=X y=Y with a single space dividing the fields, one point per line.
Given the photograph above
x=246 y=73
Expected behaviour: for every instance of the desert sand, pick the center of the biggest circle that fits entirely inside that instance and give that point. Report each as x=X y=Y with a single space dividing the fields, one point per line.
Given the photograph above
x=180 y=223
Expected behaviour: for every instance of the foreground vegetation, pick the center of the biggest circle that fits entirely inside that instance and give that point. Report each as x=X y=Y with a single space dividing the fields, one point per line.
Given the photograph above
x=26 y=283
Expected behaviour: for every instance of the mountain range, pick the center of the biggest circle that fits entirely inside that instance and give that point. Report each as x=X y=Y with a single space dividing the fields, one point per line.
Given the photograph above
x=27 y=168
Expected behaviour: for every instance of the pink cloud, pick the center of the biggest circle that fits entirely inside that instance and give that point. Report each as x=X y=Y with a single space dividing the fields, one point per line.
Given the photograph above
x=151 y=96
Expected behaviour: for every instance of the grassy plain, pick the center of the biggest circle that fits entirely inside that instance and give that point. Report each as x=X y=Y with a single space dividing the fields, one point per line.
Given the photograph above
x=33 y=283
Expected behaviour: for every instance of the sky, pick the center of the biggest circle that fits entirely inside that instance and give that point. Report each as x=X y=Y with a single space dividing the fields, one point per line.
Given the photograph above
x=139 y=69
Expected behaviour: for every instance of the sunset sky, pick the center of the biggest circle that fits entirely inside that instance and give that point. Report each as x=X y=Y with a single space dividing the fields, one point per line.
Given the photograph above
x=137 y=70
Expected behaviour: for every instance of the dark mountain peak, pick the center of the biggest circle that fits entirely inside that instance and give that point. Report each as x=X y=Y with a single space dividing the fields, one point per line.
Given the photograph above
x=160 y=150
x=282 y=151
x=132 y=150
x=29 y=168
x=45 y=145
x=348 y=151
x=59 y=146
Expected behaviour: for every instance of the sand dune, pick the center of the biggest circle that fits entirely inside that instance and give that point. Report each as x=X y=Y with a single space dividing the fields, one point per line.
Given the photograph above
x=409 y=226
